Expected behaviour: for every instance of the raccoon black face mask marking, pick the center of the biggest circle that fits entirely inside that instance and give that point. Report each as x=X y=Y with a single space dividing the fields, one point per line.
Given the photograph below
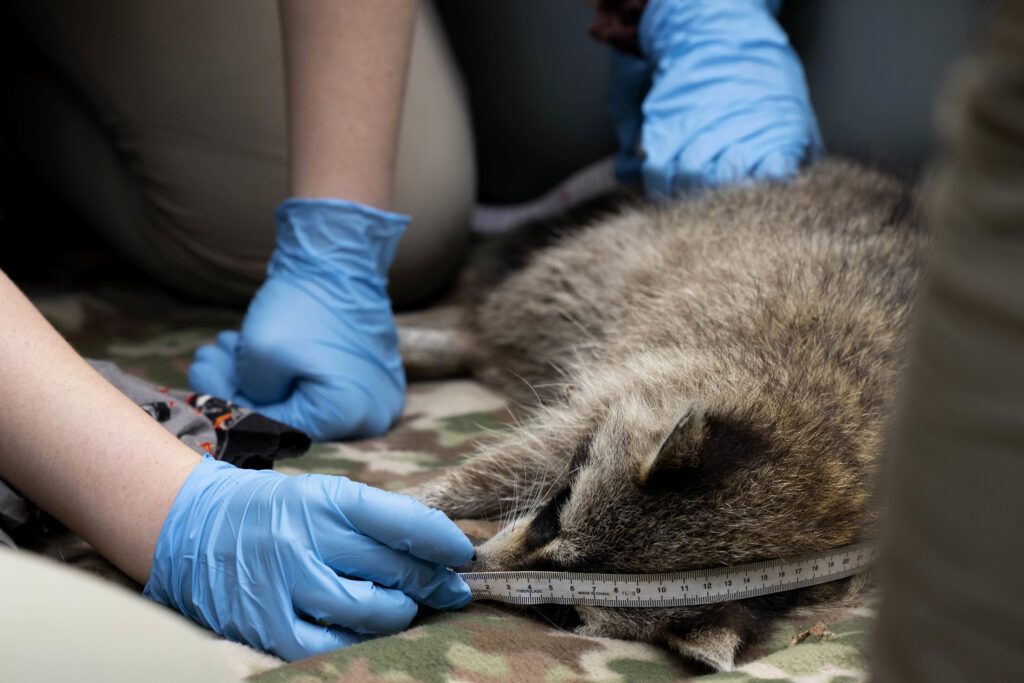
x=731 y=362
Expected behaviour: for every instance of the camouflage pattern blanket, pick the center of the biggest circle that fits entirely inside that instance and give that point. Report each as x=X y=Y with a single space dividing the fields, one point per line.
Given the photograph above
x=153 y=336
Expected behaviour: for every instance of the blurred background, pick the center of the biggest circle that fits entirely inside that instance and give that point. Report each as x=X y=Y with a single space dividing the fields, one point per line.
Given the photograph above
x=106 y=104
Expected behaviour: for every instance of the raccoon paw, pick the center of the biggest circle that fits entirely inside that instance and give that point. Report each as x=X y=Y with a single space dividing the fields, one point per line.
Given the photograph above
x=712 y=645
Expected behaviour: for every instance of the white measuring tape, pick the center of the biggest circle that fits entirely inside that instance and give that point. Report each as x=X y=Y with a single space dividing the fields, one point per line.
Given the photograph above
x=694 y=587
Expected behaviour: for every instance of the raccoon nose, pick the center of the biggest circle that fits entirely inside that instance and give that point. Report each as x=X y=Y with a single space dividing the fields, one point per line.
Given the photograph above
x=468 y=567
x=472 y=564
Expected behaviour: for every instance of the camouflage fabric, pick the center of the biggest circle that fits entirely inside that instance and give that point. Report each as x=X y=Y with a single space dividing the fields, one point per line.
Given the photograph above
x=154 y=336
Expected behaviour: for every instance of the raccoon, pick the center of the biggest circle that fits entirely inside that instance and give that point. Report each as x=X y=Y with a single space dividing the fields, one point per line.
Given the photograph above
x=710 y=382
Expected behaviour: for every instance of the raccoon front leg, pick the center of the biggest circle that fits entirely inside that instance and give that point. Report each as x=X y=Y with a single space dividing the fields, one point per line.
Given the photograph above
x=710 y=636
x=502 y=480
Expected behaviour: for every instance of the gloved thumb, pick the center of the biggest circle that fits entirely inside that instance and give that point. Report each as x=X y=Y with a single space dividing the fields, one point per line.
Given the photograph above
x=213 y=368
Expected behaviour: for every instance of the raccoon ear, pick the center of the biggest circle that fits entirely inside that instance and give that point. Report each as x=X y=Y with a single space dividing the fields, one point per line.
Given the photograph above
x=712 y=646
x=681 y=448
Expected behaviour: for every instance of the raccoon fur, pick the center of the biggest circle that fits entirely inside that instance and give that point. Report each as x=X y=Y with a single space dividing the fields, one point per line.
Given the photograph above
x=711 y=382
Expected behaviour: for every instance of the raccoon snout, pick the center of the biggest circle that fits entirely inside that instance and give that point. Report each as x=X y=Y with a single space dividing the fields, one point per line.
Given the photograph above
x=472 y=565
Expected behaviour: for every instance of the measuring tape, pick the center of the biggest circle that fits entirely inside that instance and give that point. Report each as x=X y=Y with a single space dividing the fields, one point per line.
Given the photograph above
x=694 y=587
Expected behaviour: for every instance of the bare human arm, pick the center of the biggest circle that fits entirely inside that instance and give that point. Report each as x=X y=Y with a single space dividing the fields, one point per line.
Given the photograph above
x=318 y=348
x=78 y=448
x=346 y=65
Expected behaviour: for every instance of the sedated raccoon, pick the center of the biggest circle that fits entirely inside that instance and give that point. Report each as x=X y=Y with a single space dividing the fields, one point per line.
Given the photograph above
x=714 y=378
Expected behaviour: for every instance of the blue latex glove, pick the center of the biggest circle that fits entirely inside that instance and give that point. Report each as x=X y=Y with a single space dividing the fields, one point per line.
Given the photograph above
x=318 y=348
x=727 y=101
x=273 y=561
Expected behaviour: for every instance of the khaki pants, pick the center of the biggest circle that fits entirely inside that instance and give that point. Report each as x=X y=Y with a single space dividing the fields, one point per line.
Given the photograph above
x=61 y=624
x=163 y=125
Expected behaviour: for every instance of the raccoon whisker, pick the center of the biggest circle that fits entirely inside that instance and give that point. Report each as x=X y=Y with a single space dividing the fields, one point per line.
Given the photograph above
x=537 y=487
x=540 y=490
x=551 y=385
x=486 y=431
x=501 y=509
x=515 y=494
x=549 y=619
x=511 y=514
x=540 y=485
x=528 y=386
x=528 y=492
x=562 y=476
x=533 y=489
x=517 y=422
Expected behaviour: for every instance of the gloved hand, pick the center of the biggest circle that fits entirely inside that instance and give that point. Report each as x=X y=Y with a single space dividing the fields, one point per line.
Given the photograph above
x=318 y=348
x=259 y=557
x=727 y=101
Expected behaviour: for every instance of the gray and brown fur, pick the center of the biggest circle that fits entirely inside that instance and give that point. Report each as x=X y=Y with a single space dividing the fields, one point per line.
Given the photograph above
x=711 y=383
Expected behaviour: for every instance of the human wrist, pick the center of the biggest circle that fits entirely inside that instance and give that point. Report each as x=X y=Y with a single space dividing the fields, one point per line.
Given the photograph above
x=667 y=24
x=182 y=535
x=335 y=238
x=617 y=22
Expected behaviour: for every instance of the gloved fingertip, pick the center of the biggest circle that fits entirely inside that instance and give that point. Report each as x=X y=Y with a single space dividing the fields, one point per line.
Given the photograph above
x=727 y=170
x=384 y=610
x=206 y=378
x=658 y=185
x=452 y=593
x=408 y=610
x=450 y=546
x=196 y=377
x=216 y=357
x=777 y=166
x=228 y=340
x=462 y=550
x=310 y=640
x=207 y=353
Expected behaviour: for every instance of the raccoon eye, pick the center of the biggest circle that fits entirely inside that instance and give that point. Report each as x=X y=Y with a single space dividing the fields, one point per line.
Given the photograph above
x=546 y=523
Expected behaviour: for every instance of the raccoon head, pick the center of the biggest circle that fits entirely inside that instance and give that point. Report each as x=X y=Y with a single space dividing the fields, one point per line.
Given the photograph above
x=664 y=485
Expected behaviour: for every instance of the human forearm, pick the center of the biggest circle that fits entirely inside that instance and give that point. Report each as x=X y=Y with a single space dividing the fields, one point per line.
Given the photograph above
x=346 y=65
x=318 y=348
x=76 y=446
x=247 y=553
